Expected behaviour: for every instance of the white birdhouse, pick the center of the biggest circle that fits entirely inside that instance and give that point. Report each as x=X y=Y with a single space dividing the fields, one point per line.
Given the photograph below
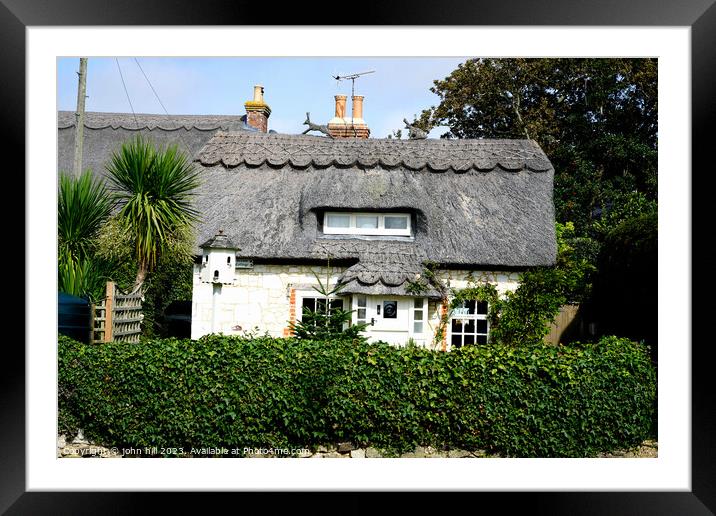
x=218 y=260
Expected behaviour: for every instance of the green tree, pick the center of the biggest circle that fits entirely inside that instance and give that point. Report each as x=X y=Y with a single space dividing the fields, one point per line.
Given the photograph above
x=595 y=118
x=84 y=205
x=154 y=189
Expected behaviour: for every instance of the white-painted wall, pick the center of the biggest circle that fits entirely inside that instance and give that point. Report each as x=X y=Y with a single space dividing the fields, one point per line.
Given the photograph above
x=260 y=297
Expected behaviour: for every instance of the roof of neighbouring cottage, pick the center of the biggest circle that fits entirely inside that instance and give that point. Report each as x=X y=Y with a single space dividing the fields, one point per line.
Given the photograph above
x=141 y=121
x=105 y=133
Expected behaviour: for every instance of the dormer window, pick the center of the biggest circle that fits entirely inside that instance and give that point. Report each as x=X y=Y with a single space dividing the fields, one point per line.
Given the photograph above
x=346 y=223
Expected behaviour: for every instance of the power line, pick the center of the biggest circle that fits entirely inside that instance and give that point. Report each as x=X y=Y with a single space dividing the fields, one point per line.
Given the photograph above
x=160 y=102
x=152 y=87
x=127 y=93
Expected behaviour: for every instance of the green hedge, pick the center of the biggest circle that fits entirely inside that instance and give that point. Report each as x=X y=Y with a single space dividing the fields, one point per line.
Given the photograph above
x=233 y=392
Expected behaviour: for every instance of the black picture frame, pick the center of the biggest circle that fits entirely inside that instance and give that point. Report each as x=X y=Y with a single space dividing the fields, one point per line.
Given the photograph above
x=699 y=15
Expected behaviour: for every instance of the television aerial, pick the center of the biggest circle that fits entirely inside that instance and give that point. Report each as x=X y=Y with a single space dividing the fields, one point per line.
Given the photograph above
x=352 y=77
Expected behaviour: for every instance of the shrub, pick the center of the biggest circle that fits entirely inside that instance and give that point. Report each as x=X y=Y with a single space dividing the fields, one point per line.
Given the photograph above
x=528 y=401
x=327 y=322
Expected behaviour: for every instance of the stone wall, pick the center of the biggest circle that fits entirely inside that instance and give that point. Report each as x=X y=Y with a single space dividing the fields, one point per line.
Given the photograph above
x=259 y=297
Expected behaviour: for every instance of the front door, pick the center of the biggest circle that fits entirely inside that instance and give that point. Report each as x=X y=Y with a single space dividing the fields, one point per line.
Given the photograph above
x=388 y=314
x=388 y=317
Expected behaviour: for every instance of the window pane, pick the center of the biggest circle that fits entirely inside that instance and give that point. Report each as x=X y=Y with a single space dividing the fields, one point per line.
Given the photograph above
x=469 y=326
x=338 y=221
x=469 y=340
x=456 y=341
x=471 y=306
x=417 y=327
x=456 y=326
x=308 y=310
x=418 y=315
x=360 y=300
x=361 y=313
x=482 y=339
x=321 y=305
x=367 y=221
x=396 y=222
x=418 y=303
x=481 y=326
x=482 y=307
x=336 y=303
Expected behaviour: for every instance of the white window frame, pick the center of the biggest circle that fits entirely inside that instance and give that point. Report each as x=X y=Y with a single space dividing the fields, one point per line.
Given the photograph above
x=474 y=317
x=355 y=307
x=424 y=320
x=354 y=230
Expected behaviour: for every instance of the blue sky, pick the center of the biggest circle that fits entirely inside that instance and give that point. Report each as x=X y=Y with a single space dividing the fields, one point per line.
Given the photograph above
x=399 y=88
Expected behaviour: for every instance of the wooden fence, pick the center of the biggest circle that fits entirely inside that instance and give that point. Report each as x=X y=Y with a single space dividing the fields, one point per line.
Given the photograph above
x=118 y=317
x=568 y=323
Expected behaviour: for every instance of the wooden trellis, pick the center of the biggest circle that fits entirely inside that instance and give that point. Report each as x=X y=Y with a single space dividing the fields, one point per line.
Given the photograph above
x=118 y=317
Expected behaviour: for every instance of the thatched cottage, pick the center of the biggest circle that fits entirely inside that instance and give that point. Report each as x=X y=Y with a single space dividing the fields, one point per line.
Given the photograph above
x=360 y=212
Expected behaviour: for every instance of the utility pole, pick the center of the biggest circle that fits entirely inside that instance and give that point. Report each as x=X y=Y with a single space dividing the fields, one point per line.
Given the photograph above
x=80 y=116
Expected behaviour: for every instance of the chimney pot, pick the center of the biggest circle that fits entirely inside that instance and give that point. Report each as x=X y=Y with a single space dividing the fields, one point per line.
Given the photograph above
x=341 y=106
x=258 y=93
x=358 y=106
x=343 y=127
x=257 y=111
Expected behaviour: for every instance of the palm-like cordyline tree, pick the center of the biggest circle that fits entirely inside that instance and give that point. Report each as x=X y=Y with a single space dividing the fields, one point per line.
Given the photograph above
x=153 y=188
x=84 y=205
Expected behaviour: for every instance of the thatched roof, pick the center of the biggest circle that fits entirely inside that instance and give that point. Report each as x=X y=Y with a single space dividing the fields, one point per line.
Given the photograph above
x=105 y=133
x=475 y=203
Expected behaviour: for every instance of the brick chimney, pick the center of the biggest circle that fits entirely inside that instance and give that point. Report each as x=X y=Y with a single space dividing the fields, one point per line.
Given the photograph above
x=341 y=126
x=257 y=111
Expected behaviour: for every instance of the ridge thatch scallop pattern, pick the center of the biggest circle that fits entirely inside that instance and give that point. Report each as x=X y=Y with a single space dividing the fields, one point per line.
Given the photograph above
x=231 y=149
x=142 y=121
